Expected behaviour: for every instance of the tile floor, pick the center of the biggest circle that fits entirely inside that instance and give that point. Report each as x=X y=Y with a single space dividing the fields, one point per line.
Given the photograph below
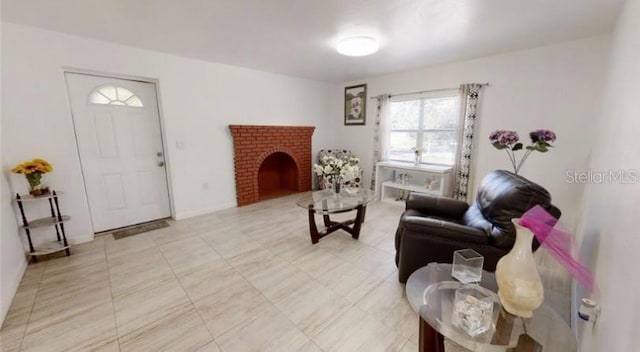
x=243 y=279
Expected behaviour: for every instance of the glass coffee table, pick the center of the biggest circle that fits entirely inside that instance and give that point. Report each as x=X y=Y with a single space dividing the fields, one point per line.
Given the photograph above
x=327 y=202
x=431 y=293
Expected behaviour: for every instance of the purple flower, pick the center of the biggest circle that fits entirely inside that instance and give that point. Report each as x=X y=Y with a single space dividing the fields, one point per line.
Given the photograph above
x=542 y=136
x=505 y=138
x=495 y=135
x=509 y=138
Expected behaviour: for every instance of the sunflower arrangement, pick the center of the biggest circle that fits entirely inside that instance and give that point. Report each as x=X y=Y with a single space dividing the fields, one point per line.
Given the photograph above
x=33 y=171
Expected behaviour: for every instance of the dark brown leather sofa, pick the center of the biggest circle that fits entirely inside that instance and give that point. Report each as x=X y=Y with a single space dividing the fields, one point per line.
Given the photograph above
x=432 y=228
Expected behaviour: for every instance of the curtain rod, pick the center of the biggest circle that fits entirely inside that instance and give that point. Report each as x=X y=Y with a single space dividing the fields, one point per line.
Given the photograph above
x=427 y=91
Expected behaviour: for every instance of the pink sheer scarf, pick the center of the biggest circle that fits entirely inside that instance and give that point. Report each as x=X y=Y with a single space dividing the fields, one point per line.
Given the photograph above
x=557 y=242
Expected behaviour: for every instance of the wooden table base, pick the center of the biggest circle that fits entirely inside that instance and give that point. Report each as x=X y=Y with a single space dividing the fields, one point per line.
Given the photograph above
x=351 y=226
x=430 y=339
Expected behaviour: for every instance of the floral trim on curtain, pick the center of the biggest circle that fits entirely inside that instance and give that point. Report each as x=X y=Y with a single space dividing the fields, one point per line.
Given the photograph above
x=471 y=97
x=379 y=134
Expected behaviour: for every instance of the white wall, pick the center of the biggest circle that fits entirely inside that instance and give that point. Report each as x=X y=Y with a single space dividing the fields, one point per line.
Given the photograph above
x=609 y=226
x=556 y=87
x=198 y=99
x=12 y=258
x=13 y=261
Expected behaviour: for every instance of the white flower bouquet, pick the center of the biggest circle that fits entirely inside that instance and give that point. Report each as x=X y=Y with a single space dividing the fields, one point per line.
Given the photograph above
x=332 y=169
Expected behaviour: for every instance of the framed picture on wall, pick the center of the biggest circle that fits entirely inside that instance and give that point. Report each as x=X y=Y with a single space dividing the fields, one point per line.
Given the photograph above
x=355 y=105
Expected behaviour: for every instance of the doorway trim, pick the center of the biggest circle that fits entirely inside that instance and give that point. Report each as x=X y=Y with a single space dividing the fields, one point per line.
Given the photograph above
x=163 y=136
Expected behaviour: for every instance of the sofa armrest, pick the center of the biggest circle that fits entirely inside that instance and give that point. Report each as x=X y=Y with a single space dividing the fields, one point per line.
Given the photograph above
x=439 y=206
x=444 y=229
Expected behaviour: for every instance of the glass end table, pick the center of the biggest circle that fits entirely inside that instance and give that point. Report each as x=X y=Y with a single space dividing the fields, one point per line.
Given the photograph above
x=327 y=202
x=431 y=293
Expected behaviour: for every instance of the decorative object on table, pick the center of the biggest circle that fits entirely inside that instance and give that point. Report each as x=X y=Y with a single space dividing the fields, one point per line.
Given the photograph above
x=355 y=180
x=520 y=289
x=473 y=309
x=407 y=178
x=519 y=284
x=355 y=105
x=402 y=178
x=56 y=220
x=336 y=186
x=558 y=243
x=417 y=154
x=432 y=228
x=33 y=171
x=343 y=154
x=467 y=266
x=336 y=171
x=509 y=141
x=430 y=182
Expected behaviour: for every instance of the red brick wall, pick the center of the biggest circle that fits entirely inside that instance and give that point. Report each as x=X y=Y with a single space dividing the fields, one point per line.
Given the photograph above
x=252 y=144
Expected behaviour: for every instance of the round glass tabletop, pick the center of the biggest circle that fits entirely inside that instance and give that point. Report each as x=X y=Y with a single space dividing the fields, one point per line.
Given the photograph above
x=327 y=202
x=431 y=292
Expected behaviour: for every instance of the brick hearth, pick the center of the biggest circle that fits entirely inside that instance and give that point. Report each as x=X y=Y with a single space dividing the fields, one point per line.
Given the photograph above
x=252 y=144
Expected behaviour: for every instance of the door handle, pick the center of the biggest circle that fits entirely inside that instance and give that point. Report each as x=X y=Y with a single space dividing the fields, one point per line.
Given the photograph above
x=161 y=163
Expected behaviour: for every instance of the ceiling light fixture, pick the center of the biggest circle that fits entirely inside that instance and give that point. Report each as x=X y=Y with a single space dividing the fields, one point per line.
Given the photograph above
x=357 y=46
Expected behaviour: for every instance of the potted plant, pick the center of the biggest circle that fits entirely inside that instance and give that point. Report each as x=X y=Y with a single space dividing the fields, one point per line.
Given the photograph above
x=33 y=171
x=509 y=141
x=336 y=171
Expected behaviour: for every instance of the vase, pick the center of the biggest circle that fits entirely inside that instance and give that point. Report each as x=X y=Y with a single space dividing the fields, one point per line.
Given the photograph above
x=36 y=188
x=39 y=190
x=519 y=286
x=326 y=183
x=416 y=161
x=336 y=186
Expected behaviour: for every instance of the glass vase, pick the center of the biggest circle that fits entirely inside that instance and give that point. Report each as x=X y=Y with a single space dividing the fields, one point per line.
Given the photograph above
x=337 y=186
x=36 y=188
x=519 y=286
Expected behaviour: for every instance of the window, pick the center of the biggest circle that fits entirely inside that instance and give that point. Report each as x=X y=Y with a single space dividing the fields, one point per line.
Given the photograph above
x=111 y=95
x=429 y=123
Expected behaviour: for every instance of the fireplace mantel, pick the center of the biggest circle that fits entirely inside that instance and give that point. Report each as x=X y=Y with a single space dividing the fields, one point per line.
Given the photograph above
x=252 y=144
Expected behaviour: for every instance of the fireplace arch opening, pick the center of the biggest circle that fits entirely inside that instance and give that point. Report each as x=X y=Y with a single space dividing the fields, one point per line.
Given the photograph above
x=277 y=176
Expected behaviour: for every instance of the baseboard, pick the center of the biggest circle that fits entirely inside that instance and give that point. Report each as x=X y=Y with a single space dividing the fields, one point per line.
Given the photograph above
x=82 y=239
x=194 y=213
x=14 y=284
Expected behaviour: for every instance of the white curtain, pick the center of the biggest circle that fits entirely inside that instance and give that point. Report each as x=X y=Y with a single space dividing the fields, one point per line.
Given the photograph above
x=470 y=94
x=380 y=134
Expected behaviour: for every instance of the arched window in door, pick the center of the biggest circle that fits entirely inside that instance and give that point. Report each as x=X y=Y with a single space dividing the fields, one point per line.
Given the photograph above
x=110 y=95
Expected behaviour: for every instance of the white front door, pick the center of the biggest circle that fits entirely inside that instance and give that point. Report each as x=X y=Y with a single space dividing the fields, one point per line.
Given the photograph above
x=118 y=133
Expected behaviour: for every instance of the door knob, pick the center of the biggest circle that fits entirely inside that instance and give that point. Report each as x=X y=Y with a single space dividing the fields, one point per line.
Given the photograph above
x=161 y=163
x=159 y=154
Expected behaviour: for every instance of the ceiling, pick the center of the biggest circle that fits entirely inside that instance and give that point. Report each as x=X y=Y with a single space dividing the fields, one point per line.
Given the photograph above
x=298 y=37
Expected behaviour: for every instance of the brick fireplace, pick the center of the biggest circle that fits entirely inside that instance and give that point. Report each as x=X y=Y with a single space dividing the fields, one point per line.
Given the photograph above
x=271 y=161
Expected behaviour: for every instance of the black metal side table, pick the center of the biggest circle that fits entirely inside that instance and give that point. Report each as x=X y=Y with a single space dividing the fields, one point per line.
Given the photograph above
x=56 y=220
